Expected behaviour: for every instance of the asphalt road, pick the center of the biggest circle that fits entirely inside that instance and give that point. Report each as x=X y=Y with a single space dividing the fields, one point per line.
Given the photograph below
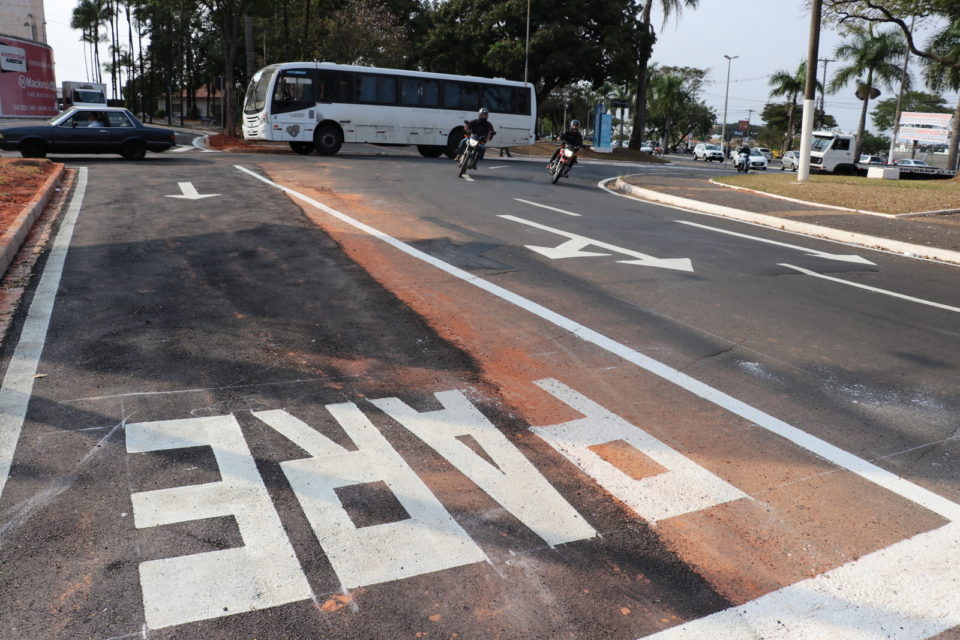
x=393 y=403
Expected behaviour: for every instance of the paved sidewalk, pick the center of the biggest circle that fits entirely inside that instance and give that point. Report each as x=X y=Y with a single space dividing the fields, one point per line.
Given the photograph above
x=936 y=237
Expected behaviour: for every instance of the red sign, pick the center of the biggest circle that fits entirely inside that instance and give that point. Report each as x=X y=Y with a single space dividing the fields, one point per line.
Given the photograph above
x=743 y=125
x=28 y=87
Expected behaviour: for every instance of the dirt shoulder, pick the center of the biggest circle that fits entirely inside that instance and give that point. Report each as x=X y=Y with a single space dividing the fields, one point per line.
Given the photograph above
x=20 y=180
x=866 y=194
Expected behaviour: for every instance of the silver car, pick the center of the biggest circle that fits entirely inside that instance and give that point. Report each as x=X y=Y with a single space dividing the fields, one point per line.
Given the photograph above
x=790 y=161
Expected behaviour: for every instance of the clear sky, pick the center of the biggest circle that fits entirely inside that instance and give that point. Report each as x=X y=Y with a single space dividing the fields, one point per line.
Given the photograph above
x=767 y=35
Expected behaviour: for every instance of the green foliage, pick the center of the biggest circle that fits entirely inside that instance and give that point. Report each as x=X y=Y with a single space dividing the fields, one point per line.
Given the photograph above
x=874 y=144
x=885 y=111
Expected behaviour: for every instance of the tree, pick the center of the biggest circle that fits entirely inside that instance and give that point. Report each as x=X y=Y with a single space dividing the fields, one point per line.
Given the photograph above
x=644 y=37
x=885 y=111
x=871 y=59
x=789 y=85
x=776 y=116
x=940 y=76
x=674 y=107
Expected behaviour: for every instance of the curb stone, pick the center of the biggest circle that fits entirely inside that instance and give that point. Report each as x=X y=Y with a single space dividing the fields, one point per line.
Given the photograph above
x=805 y=228
x=12 y=238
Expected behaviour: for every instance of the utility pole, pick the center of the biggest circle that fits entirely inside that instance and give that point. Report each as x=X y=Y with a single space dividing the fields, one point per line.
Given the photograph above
x=810 y=91
x=823 y=91
x=723 y=124
x=749 y=114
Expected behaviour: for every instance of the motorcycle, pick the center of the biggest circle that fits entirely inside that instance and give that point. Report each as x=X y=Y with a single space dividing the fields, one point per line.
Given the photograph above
x=561 y=165
x=471 y=153
x=743 y=163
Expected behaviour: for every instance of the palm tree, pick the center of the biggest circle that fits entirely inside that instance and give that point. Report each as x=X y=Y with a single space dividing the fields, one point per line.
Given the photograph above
x=646 y=37
x=665 y=96
x=88 y=16
x=871 y=59
x=789 y=85
x=940 y=77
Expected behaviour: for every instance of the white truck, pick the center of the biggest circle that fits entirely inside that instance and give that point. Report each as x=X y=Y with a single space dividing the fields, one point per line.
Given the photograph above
x=833 y=153
x=83 y=94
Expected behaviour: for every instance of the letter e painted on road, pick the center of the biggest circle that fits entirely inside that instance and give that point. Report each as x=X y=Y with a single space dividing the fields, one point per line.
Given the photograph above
x=514 y=482
x=429 y=540
x=682 y=487
x=263 y=573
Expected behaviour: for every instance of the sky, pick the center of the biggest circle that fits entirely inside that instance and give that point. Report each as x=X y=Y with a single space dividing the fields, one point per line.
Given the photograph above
x=766 y=35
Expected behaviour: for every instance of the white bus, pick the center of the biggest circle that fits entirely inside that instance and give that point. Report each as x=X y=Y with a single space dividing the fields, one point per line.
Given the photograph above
x=320 y=105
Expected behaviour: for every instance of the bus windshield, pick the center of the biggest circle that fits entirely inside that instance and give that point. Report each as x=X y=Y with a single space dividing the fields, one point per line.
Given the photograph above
x=258 y=91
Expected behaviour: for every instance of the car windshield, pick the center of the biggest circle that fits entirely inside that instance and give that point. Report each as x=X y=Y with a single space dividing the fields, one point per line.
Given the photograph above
x=711 y=147
x=821 y=143
x=755 y=152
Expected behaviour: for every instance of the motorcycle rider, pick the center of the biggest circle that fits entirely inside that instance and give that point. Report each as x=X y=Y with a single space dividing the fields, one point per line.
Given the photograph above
x=572 y=138
x=746 y=161
x=481 y=127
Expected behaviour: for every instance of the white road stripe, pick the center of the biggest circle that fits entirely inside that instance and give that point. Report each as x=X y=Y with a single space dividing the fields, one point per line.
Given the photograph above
x=867 y=470
x=869 y=288
x=181 y=148
x=17 y=384
x=468 y=178
x=907 y=591
x=544 y=206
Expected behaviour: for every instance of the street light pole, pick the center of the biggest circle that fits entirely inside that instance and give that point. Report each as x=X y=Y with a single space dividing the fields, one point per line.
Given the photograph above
x=823 y=92
x=723 y=124
x=810 y=92
x=526 y=55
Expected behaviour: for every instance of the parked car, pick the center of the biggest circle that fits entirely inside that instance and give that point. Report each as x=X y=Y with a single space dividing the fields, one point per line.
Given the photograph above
x=766 y=153
x=88 y=130
x=758 y=161
x=868 y=159
x=647 y=147
x=907 y=162
x=790 y=161
x=707 y=152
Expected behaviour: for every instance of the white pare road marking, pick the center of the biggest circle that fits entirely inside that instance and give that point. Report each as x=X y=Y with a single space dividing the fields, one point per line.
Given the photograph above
x=262 y=573
x=907 y=591
x=514 y=482
x=18 y=381
x=869 y=288
x=544 y=206
x=430 y=540
x=190 y=192
x=810 y=252
x=843 y=459
x=684 y=487
x=573 y=248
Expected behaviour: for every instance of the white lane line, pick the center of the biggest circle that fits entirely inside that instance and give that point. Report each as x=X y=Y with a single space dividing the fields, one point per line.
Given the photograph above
x=907 y=591
x=545 y=206
x=869 y=288
x=468 y=178
x=810 y=252
x=17 y=384
x=866 y=470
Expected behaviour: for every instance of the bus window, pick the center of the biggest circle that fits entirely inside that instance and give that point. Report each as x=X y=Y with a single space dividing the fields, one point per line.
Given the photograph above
x=522 y=101
x=419 y=92
x=293 y=91
x=463 y=96
x=334 y=86
x=499 y=99
x=376 y=89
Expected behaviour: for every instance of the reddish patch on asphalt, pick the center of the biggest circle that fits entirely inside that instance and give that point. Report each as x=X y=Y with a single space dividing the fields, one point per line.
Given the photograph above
x=20 y=180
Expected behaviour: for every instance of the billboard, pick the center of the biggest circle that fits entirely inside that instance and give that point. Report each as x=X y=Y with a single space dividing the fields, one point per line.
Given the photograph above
x=28 y=87
x=930 y=128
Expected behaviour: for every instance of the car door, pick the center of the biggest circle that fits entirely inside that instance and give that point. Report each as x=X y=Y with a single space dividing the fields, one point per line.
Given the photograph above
x=84 y=132
x=119 y=130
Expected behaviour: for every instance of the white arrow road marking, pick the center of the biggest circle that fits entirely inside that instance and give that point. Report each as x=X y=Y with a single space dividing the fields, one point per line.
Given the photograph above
x=572 y=249
x=544 y=206
x=468 y=178
x=810 y=252
x=190 y=192
x=869 y=288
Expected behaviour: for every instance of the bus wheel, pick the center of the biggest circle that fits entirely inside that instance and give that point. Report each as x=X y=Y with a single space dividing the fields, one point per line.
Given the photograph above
x=327 y=140
x=303 y=148
x=430 y=151
x=453 y=141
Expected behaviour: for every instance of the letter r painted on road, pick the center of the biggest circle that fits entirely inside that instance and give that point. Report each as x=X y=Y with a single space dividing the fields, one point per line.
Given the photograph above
x=263 y=573
x=681 y=487
x=429 y=540
x=511 y=480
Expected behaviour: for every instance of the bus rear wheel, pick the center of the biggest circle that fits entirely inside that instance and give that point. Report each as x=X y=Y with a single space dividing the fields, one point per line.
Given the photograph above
x=327 y=139
x=430 y=151
x=303 y=148
x=453 y=141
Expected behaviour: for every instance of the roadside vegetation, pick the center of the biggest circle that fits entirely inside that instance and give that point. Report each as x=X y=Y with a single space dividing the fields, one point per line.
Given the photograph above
x=869 y=194
x=20 y=180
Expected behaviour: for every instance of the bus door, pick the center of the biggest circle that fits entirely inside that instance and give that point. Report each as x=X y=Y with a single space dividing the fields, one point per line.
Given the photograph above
x=294 y=106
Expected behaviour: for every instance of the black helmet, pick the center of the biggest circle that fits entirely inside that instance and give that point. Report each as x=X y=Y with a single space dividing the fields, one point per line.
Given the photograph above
x=483 y=112
x=574 y=124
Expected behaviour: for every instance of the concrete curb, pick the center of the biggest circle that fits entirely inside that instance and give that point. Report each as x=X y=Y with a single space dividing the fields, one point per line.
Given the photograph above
x=12 y=238
x=805 y=228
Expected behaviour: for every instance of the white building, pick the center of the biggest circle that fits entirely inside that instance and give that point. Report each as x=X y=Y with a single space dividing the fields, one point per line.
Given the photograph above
x=23 y=19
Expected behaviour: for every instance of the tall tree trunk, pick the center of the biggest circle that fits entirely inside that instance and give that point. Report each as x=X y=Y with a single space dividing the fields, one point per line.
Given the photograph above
x=305 y=41
x=131 y=64
x=790 y=115
x=248 y=44
x=954 y=140
x=646 y=41
x=861 y=127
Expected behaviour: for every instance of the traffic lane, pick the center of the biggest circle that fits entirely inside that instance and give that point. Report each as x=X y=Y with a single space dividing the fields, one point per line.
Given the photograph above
x=225 y=316
x=872 y=363
x=804 y=523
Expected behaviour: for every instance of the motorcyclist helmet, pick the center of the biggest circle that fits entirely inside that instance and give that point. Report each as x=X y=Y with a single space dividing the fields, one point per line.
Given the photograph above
x=484 y=112
x=574 y=124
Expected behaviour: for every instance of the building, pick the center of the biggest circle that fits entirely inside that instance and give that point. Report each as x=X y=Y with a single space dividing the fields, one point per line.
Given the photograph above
x=23 y=19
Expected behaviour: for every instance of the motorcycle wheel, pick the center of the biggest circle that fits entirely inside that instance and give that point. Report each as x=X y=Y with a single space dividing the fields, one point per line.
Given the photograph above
x=464 y=161
x=557 y=172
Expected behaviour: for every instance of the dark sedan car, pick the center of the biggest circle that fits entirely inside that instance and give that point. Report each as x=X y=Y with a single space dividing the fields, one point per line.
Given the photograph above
x=88 y=130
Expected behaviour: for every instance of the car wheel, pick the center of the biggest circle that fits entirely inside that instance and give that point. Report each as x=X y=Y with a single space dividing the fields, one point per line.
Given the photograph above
x=133 y=150
x=33 y=149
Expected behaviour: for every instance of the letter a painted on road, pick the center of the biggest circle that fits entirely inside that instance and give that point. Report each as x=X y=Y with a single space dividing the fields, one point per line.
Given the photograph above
x=429 y=540
x=514 y=482
x=263 y=573
x=682 y=487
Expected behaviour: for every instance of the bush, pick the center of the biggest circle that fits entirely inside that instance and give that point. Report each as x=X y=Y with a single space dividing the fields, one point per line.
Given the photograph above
x=194 y=113
x=160 y=114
